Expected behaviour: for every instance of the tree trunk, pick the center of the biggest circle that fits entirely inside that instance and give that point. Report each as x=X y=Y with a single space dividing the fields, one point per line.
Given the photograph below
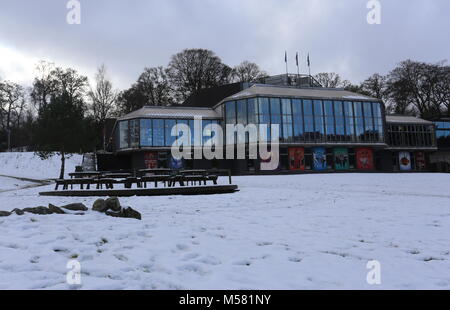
x=63 y=161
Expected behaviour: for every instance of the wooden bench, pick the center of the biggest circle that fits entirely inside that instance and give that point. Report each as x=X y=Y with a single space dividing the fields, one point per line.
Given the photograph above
x=155 y=180
x=129 y=181
x=109 y=183
x=72 y=182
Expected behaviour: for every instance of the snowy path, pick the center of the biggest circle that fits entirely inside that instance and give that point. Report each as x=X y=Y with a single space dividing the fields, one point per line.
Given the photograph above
x=278 y=232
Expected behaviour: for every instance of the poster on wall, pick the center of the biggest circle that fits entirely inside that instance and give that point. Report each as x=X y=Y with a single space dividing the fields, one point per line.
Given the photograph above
x=297 y=158
x=421 y=161
x=151 y=160
x=364 y=159
x=341 y=159
x=320 y=158
x=405 y=161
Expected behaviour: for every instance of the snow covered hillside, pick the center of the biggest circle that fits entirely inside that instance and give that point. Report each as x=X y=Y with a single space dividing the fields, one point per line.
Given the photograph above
x=29 y=165
x=278 y=232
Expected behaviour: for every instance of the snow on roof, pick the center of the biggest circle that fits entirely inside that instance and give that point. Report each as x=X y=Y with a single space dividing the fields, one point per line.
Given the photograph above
x=322 y=93
x=172 y=112
x=406 y=119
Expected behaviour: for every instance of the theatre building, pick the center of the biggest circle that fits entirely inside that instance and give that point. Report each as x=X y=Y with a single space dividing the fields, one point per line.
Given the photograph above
x=321 y=130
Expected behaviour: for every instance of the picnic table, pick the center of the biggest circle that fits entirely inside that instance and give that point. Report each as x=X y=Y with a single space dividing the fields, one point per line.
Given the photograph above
x=84 y=174
x=194 y=172
x=116 y=175
x=156 y=171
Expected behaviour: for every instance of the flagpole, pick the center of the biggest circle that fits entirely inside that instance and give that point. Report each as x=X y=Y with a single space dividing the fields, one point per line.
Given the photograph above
x=309 y=69
x=298 y=71
x=286 y=61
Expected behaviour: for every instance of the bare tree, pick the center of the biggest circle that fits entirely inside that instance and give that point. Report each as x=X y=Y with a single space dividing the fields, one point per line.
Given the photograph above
x=248 y=72
x=196 y=69
x=12 y=102
x=420 y=87
x=331 y=80
x=375 y=86
x=155 y=87
x=152 y=88
x=44 y=85
x=102 y=96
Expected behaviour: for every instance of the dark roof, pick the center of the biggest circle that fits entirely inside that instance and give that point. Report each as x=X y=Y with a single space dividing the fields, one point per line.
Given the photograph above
x=207 y=98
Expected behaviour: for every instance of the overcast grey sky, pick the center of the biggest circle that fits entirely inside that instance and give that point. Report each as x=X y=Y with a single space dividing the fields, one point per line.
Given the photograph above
x=130 y=35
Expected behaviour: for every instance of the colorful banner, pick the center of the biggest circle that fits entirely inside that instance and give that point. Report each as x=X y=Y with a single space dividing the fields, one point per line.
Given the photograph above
x=320 y=158
x=151 y=160
x=421 y=162
x=405 y=161
x=341 y=159
x=297 y=158
x=364 y=159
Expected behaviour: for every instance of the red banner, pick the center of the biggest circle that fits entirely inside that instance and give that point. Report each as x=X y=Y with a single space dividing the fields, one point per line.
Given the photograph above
x=297 y=158
x=421 y=163
x=151 y=160
x=364 y=159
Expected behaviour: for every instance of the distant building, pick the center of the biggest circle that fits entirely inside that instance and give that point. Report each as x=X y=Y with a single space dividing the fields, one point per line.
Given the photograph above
x=441 y=159
x=320 y=129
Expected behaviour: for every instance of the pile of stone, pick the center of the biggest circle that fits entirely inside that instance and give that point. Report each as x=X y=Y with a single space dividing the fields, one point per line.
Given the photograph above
x=110 y=206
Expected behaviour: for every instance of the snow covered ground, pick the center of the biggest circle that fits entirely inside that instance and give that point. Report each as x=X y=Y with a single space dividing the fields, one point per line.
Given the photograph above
x=8 y=184
x=29 y=165
x=278 y=232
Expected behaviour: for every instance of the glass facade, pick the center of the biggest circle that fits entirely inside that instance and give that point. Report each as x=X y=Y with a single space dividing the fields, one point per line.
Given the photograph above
x=443 y=134
x=312 y=121
x=299 y=120
x=157 y=132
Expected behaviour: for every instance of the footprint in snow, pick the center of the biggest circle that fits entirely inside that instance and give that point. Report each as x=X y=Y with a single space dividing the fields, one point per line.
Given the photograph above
x=243 y=263
x=121 y=257
x=193 y=268
x=190 y=256
x=210 y=260
x=295 y=259
x=182 y=247
x=264 y=243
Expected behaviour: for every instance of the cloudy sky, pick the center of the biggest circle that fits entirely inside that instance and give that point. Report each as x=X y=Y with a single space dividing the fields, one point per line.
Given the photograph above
x=130 y=35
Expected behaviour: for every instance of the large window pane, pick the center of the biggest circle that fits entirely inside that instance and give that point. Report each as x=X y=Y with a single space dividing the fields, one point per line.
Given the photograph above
x=340 y=120
x=241 y=108
x=275 y=114
x=134 y=133
x=297 y=112
x=123 y=135
x=252 y=111
x=349 y=121
x=230 y=112
x=319 y=121
x=359 y=121
x=264 y=113
x=329 y=121
x=309 y=120
x=286 y=111
x=158 y=132
x=169 y=125
x=146 y=132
